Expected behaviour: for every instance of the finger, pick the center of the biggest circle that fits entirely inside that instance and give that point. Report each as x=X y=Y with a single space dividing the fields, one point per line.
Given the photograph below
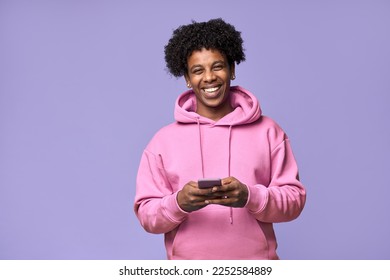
x=193 y=184
x=218 y=189
x=228 y=180
x=226 y=191
x=228 y=186
x=226 y=201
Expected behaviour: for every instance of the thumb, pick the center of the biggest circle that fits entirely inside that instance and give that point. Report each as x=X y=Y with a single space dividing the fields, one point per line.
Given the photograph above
x=227 y=180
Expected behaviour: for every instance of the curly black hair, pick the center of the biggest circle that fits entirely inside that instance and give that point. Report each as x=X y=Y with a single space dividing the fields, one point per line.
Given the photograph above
x=213 y=34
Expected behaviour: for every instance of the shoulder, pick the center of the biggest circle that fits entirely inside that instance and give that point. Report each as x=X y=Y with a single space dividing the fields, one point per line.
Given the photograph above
x=275 y=134
x=165 y=136
x=167 y=131
x=270 y=123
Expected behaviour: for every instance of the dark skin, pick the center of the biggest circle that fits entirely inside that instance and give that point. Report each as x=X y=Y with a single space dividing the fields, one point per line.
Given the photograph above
x=232 y=193
x=209 y=69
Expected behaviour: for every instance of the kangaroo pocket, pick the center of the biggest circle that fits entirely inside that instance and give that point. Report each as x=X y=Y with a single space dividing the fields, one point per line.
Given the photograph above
x=209 y=234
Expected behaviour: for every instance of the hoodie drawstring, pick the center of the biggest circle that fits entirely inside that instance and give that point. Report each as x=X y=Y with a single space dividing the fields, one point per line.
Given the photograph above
x=246 y=110
x=229 y=162
x=229 y=156
x=200 y=146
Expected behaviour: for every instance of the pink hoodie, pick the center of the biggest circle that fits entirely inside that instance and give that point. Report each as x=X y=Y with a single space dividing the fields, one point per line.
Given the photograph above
x=243 y=144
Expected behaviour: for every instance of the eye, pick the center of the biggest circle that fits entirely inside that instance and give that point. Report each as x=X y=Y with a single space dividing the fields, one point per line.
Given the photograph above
x=197 y=71
x=218 y=67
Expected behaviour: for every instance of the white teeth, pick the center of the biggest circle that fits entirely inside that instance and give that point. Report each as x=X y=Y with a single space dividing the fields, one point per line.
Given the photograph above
x=211 y=89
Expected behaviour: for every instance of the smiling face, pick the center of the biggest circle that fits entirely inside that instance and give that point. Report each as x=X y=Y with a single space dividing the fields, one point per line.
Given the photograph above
x=209 y=75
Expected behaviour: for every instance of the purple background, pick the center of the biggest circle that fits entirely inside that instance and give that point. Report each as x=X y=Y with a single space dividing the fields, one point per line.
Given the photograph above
x=83 y=88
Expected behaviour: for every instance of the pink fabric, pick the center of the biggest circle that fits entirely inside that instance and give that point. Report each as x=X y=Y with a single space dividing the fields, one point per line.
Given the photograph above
x=243 y=144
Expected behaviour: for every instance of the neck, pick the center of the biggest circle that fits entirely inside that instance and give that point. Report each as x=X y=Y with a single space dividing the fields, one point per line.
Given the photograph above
x=216 y=113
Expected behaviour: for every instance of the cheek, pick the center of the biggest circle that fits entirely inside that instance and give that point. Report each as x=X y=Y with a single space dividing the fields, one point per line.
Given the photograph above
x=225 y=77
x=195 y=80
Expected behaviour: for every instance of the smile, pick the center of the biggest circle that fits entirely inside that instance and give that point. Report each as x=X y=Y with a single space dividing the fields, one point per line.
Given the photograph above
x=209 y=90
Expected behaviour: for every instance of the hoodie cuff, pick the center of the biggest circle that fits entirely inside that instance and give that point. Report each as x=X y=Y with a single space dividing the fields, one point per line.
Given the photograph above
x=172 y=209
x=257 y=198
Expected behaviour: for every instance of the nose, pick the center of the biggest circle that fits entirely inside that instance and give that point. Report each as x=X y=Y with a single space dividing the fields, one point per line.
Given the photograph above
x=209 y=76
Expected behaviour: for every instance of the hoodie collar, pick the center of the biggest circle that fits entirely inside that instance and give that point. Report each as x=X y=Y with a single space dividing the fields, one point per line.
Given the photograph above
x=246 y=109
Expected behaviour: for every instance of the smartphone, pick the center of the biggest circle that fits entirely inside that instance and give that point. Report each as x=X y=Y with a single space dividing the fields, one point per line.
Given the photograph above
x=209 y=183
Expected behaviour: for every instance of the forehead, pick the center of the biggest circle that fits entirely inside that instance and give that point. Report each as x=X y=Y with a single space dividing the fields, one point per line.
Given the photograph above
x=205 y=56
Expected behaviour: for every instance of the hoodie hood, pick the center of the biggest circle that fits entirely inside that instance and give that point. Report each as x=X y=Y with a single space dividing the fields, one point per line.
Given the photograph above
x=246 y=109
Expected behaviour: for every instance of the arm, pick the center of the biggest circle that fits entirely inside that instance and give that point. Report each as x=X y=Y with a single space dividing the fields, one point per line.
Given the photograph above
x=284 y=198
x=155 y=202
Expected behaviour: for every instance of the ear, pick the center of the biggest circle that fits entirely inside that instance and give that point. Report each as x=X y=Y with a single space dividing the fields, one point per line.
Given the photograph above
x=187 y=79
x=232 y=71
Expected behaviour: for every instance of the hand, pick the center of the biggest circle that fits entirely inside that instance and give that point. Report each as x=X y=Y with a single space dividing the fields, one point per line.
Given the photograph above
x=191 y=198
x=232 y=193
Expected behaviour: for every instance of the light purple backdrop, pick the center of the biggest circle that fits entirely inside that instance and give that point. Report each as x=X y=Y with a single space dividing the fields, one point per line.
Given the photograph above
x=83 y=88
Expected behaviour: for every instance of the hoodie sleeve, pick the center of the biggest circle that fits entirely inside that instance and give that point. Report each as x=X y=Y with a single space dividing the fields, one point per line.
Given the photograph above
x=155 y=203
x=284 y=198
